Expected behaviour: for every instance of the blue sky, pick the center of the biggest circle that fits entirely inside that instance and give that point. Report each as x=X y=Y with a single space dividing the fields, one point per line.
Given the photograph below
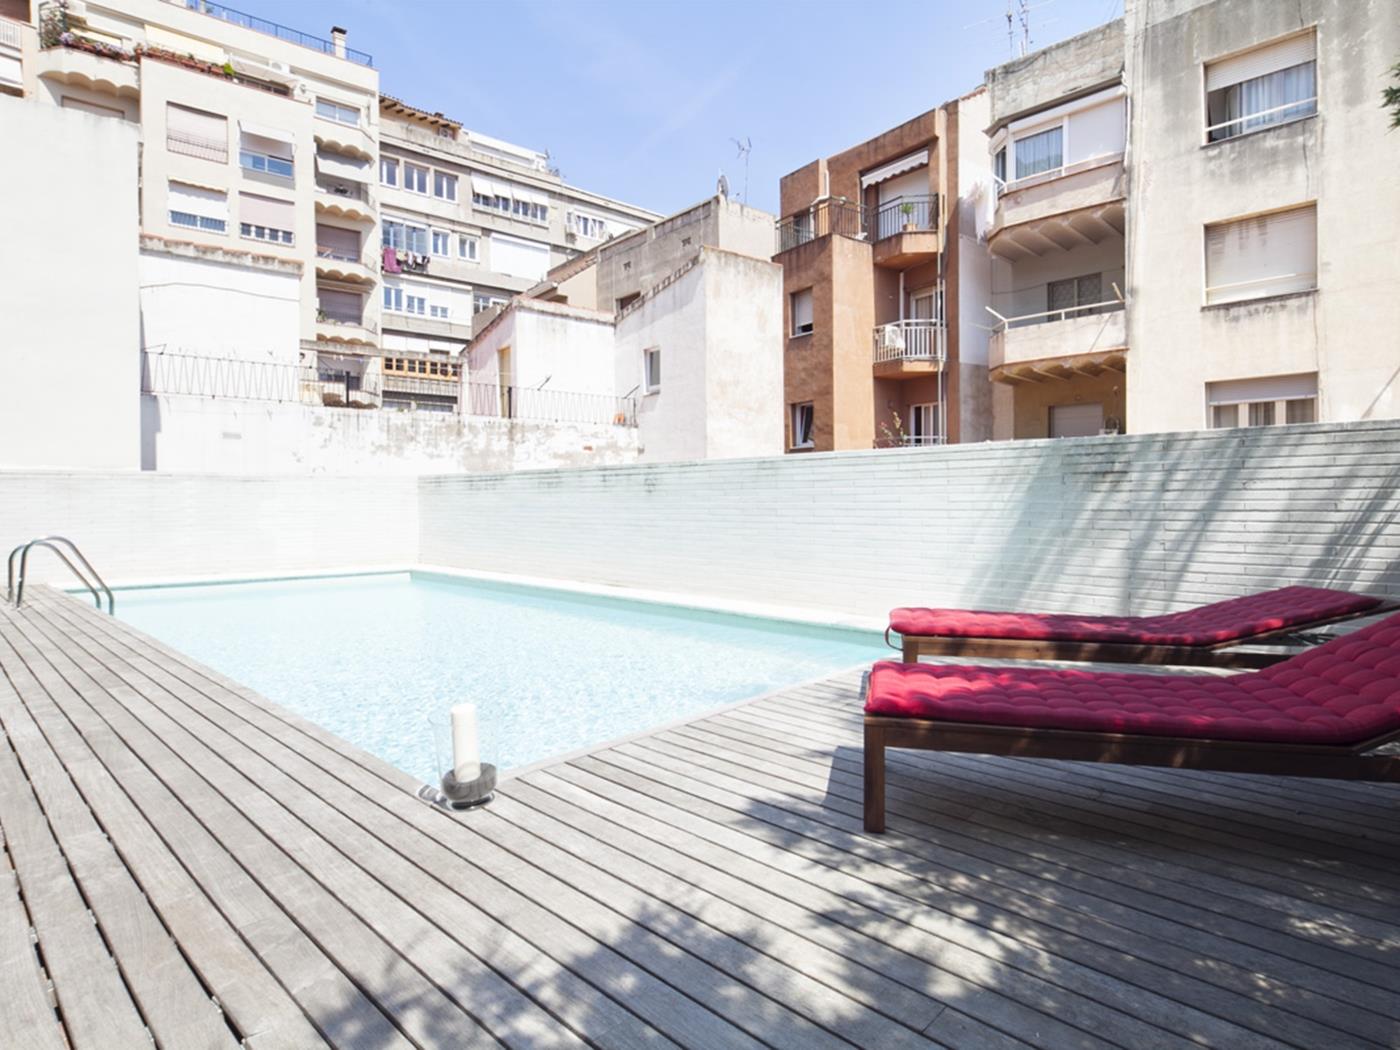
x=640 y=100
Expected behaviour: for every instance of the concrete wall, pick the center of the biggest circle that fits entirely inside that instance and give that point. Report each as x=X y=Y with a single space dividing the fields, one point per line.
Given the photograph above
x=560 y=347
x=1107 y=524
x=70 y=349
x=1343 y=158
x=226 y=436
x=212 y=303
x=1071 y=67
x=140 y=526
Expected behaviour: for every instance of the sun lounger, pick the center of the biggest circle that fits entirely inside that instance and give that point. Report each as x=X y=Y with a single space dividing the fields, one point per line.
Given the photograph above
x=1203 y=636
x=1317 y=714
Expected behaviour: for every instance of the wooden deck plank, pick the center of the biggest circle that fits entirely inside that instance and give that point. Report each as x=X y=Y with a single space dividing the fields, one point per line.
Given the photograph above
x=175 y=1006
x=827 y=794
x=336 y=1006
x=1136 y=953
x=710 y=884
x=27 y=1016
x=93 y=1000
x=280 y=855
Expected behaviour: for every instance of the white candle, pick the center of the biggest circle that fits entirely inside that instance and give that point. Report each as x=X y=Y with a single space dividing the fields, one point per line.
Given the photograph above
x=466 y=762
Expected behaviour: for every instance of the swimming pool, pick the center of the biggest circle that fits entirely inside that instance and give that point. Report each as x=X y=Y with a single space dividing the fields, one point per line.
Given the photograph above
x=380 y=660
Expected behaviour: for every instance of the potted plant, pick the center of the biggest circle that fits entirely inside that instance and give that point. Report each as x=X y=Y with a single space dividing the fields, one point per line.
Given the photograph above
x=907 y=210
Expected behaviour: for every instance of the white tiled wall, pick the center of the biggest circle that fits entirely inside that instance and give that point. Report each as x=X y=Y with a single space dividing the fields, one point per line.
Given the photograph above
x=148 y=526
x=1106 y=524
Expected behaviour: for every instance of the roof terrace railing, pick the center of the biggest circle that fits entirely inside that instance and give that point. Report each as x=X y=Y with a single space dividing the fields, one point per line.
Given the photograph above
x=537 y=405
x=828 y=215
x=281 y=32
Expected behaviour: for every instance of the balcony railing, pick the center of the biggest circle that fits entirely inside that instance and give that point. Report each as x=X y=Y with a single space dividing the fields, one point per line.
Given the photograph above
x=1049 y=316
x=916 y=339
x=221 y=377
x=10 y=33
x=262 y=25
x=832 y=215
x=905 y=215
x=547 y=406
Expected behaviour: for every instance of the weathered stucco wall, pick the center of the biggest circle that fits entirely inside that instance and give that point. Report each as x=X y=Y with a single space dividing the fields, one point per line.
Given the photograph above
x=207 y=435
x=1071 y=67
x=1343 y=158
x=1107 y=524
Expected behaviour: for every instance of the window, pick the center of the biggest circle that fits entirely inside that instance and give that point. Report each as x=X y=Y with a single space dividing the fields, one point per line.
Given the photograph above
x=625 y=301
x=265 y=154
x=341 y=114
x=1265 y=255
x=802 y=424
x=1262 y=402
x=442 y=312
x=339 y=306
x=651 y=364
x=482 y=303
x=468 y=248
x=999 y=165
x=1261 y=88
x=404 y=237
x=261 y=162
x=444 y=185
x=491 y=200
x=923 y=425
x=1043 y=151
x=519 y=258
x=442 y=243
x=587 y=226
x=1064 y=295
x=388 y=171
x=197 y=208
x=415 y=178
x=393 y=298
x=802 y=312
x=337 y=242
x=196 y=133
x=266 y=218
x=415 y=304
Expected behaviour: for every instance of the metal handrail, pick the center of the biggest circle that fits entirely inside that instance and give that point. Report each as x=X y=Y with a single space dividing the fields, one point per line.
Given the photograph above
x=15 y=588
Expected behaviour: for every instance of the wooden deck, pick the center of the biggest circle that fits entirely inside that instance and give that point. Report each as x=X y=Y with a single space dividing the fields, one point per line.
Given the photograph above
x=185 y=863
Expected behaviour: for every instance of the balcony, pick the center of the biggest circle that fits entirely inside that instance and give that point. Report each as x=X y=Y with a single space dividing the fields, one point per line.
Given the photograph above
x=14 y=36
x=831 y=215
x=904 y=231
x=346 y=200
x=340 y=264
x=1059 y=209
x=1061 y=344
x=910 y=348
x=92 y=65
x=338 y=326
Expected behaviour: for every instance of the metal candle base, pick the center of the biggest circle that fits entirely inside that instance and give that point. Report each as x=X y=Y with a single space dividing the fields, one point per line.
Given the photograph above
x=465 y=794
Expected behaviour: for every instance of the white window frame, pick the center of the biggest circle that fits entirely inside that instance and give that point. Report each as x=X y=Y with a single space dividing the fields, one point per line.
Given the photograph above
x=250 y=231
x=434 y=236
x=794 y=417
x=468 y=247
x=393 y=298
x=445 y=180
x=390 y=166
x=340 y=113
x=651 y=376
x=414 y=303
x=410 y=169
x=1315 y=101
x=924 y=418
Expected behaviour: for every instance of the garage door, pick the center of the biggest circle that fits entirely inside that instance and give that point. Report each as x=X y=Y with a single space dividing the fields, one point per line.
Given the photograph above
x=1068 y=421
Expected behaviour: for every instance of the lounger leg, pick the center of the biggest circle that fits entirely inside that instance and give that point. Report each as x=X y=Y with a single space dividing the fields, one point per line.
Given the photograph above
x=874 y=779
x=911 y=651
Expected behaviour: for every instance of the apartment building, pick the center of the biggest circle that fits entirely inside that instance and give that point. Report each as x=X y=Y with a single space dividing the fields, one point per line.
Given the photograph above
x=1057 y=139
x=884 y=282
x=466 y=223
x=675 y=329
x=1196 y=219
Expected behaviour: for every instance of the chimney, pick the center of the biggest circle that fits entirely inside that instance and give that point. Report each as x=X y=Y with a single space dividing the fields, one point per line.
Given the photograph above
x=338 y=41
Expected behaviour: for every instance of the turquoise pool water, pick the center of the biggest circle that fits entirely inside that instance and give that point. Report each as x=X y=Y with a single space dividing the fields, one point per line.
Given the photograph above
x=380 y=660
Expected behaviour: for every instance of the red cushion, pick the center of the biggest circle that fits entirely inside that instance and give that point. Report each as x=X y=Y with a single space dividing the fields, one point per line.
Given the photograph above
x=1343 y=692
x=1204 y=625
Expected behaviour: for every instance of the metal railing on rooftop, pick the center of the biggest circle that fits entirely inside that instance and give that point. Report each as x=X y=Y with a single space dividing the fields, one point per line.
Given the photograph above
x=830 y=215
x=246 y=380
x=532 y=404
x=281 y=32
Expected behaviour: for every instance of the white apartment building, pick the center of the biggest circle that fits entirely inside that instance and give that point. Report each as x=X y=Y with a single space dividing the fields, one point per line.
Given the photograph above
x=1196 y=221
x=466 y=222
x=675 y=329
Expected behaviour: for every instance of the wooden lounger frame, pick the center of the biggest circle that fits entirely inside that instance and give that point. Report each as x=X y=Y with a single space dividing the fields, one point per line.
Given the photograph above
x=1231 y=756
x=1221 y=654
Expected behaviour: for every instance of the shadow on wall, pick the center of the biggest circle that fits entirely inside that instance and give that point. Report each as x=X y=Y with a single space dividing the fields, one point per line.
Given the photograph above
x=1157 y=523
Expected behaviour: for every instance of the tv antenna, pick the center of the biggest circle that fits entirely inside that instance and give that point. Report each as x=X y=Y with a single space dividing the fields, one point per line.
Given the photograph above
x=745 y=148
x=1018 y=25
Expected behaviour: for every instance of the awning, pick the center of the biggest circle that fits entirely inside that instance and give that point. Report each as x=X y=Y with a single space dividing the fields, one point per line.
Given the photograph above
x=340 y=167
x=529 y=196
x=487 y=187
x=895 y=167
x=267 y=131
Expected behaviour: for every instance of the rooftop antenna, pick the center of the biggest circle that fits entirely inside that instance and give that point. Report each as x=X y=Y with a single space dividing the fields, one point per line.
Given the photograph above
x=745 y=148
x=1018 y=25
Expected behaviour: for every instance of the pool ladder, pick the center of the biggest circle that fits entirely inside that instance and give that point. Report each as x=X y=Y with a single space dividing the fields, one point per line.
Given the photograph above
x=14 y=589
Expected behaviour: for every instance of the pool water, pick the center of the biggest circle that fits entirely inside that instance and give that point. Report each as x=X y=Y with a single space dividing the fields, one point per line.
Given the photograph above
x=380 y=660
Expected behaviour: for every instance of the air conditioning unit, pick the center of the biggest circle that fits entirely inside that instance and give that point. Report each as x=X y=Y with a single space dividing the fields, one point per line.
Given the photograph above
x=280 y=67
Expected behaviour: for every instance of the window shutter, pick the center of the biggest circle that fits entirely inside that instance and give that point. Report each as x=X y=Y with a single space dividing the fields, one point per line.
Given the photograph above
x=338 y=239
x=1265 y=255
x=336 y=166
x=345 y=304
x=266 y=211
x=1267 y=388
x=208 y=204
x=519 y=258
x=801 y=310
x=1282 y=54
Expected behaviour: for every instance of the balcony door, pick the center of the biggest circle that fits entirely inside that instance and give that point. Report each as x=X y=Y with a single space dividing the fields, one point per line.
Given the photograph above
x=1077 y=420
x=923 y=304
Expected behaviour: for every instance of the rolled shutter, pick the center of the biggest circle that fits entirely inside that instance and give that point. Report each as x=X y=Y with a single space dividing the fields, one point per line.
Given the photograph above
x=1282 y=54
x=209 y=204
x=340 y=167
x=266 y=211
x=1265 y=255
x=197 y=127
x=343 y=241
